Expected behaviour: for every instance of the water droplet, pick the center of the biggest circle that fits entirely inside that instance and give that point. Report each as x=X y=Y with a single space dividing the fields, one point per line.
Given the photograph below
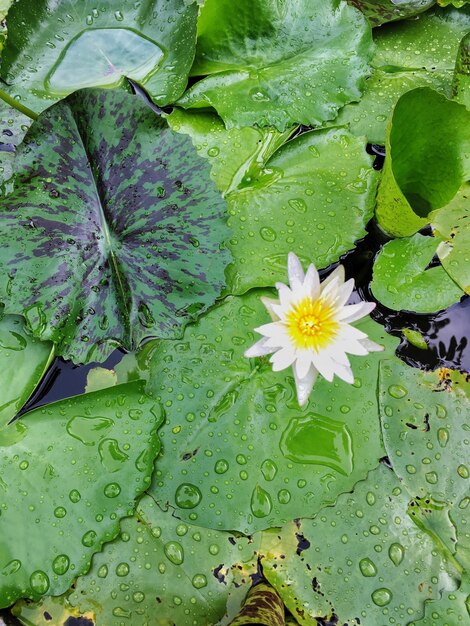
x=174 y=552
x=318 y=440
x=411 y=469
x=112 y=490
x=241 y=459
x=199 y=581
x=122 y=569
x=283 y=496
x=88 y=430
x=396 y=552
x=214 y=549
x=181 y=530
x=261 y=503
x=370 y=498
x=111 y=456
x=10 y=568
x=61 y=564
x=24 y=465
x=138 y=596
x=382 y=596
x=442 y=437
x=89 y=538
x=60 y=512
x=213 y=152
x=39 y=581
x=431 y=478
x=102 y=571
x=269 y=469
x=397 y=391
x=367 y=567
x=268 y=234
x=298 y=205
x=74 y=496
x=221 y=466
x=441 y=411
x=462 y=471
x=187 y=496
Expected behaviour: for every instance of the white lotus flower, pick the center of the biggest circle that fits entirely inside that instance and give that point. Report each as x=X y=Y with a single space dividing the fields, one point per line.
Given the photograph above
x=311 y=327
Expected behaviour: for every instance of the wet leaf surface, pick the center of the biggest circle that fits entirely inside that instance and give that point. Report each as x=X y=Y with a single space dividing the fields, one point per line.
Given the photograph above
x=113 y=232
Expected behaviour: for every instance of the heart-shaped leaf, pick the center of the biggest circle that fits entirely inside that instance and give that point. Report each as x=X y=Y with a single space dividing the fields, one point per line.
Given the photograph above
x=113 y=231
x=419 y=52
x=239 y=453
x=428 y=159
x=401 y=280
x=68 y=474
x=23 y=361
x=356 y=562
x=56 y=48
x=314 y=194
x=425 y=418
x=162 y=571
x=276 y=64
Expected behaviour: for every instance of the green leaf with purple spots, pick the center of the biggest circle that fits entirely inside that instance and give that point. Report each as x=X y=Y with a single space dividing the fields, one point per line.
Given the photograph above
x=55 y=48
x=113 y=231
x=68 y=474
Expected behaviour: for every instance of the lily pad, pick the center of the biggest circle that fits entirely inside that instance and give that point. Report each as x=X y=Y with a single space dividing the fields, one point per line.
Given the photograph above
x=428 y=148
x=277 y=64
x=419 y=52
x=401 y=281
x=239 y=453
x=55 y=49
x=452 y=609
x=381 y=11
x=451 y=225
x=161 y=570
x=357 y=562
x=23 y=362
x=313 y=194
x=425 y=418
x=461 y=82
x=113 y=231
x=68 y=474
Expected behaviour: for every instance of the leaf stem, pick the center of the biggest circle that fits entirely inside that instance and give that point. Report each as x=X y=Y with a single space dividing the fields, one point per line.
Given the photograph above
x=17 y=105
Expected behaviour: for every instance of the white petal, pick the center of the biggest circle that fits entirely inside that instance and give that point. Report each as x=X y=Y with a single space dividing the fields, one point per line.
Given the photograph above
x=311 y=284
x=353 y=312
x=282 y=359
x=258 y=349
x=323 y=363
x=354 y=347
x=304 y=385
x=294 y=271
x=345 y=373
x=270 y=303
x=273 y=329
x=347 y=332
x=285 y=295
x=336 y=276
x=345 y=292
x=339 y=356
x=303 y=362
x=370 y=345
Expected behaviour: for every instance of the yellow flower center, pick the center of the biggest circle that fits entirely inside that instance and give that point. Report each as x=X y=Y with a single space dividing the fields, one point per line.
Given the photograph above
x=312 y=324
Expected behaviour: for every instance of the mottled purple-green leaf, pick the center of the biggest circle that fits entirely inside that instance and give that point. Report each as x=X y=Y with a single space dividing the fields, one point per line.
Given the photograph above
x=113 y=231
x=55 y=48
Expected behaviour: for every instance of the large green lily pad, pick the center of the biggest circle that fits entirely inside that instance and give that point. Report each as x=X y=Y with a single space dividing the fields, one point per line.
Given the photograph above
x=451 y=225
x=452 y=609
x=461 y=82
x=418 y=52
x=428 y=148
x=239 y=452
x=381 y=11
x=69 y=472
x=277 y=64
x=23 y=362
x=56 y=48
x=401 y=281
x=314 y=194
x=363 y=561
x=425 y=418
x=162 y=571
x=113 y=231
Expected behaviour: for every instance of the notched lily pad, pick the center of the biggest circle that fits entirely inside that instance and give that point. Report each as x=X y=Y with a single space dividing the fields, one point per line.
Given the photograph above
x=402 y=279
x=113 y=232
x=69 y=472
x=55 y=49
x=161 y=570
x=239 y=452
x=277 y=64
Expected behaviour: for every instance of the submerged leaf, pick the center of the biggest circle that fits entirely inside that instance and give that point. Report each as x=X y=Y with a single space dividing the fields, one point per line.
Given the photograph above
x=162 y=571
x=239 y=452
x=419 y=52
x=277 y=64
x=402 y=279
x=380 y=11
x=55 y=48
x=357 y=561
x=428 y=159
x=113 y=231
x=68 y=474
